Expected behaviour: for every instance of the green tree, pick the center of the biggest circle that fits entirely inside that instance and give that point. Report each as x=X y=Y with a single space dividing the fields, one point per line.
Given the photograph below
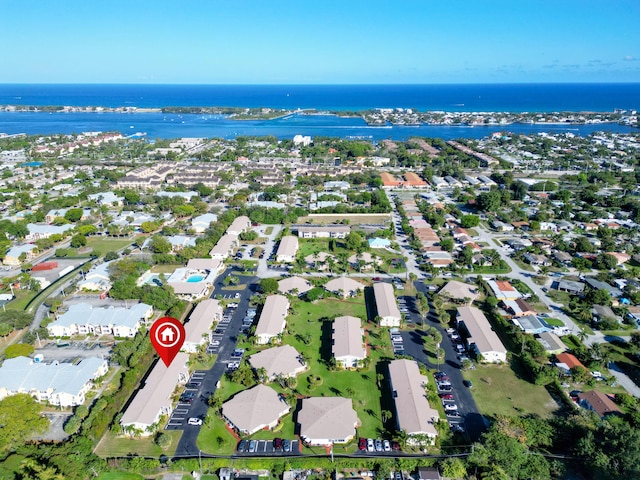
x=447 y=244
x=268 y=285
x=612 y=451
x=353 y=241
x=453 y=468
x=314 y=294
x=111 y=256
x=131 y=197
x=509 y=454
x=159 y=244
x=148 y=227
x=78 y=241
x=86 y=229
x=73 y=215
x=469 y=221
x=162 y=440
x=19 y=419
x=489 y=201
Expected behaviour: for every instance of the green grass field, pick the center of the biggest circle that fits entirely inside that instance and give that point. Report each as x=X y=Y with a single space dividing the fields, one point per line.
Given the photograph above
x=120 y=476
x=311 y=335
x=22 y=298
x=115 y=446
x=554 y=322
x=497 y=390
x=215 y=438
x=107 y=244
x=167 y=268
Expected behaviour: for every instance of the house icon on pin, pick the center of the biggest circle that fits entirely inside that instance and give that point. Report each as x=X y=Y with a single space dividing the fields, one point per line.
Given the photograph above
x=167 y=335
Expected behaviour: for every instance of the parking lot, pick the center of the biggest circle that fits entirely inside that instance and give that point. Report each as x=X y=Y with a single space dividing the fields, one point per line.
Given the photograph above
x=221 y=328
x=396 y=341
x=68 y=352
x=265 y=447
x=180 y=414
x=406 y=305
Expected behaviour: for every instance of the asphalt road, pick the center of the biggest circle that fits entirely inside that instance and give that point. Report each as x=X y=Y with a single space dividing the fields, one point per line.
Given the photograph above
x=413 y=346
x=188 y=442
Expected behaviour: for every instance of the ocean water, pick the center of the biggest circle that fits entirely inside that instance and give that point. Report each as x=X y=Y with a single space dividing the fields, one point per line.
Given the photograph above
x=473 y=98
x=476 y=98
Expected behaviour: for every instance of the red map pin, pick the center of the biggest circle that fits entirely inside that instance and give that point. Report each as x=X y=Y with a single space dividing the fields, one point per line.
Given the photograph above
x=167 y=336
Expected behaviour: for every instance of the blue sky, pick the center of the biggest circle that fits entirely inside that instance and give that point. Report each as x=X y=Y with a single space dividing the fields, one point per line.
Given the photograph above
x=347 y=41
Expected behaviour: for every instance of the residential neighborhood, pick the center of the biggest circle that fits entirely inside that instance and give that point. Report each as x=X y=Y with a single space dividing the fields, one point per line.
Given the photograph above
x=411 y=300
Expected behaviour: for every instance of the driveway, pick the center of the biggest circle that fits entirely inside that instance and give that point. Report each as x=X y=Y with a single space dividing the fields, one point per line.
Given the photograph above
x=263 y=270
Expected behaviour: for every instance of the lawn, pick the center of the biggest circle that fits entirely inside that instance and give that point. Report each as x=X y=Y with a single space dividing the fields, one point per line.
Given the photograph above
x=112 y=445
x=316 y=245
x=120 y=476
x=554 y=322
x=309 y=333
x=166 y=268
x=106 y=244
x=354 y=219
x=497 y=390
x=22 y=297
x=625 y=358
x=215 y=438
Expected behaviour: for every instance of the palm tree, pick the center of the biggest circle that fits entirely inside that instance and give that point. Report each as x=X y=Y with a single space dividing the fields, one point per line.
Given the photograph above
x=401 y=437
x=262 y=374
x=582 y=335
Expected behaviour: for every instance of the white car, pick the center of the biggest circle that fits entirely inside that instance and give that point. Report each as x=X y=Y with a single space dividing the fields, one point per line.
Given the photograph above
x=386 y=445
x=195 y=421
x=370 y=445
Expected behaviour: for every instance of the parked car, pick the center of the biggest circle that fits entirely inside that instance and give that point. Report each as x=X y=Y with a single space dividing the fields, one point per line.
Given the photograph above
x=395 y=446
x=362 y=444
x=386 y=446
x=277 y=443
x=450 y=406
x=286 y=445
x=370 y=445
x=467 y=383
x=195 y=421
x=253 y=445
x=242 y=446
x=378 y=445
x=446 y=396
x=457 y=428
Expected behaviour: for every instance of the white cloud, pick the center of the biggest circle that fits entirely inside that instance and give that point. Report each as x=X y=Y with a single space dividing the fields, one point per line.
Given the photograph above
x=629 y=58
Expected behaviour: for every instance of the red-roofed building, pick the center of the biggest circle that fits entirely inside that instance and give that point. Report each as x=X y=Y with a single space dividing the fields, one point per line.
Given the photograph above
x=598 y=402
x=389 y=180
x=567 y=361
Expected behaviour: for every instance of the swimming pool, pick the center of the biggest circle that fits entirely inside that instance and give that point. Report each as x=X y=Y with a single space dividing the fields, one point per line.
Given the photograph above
x=195 y=279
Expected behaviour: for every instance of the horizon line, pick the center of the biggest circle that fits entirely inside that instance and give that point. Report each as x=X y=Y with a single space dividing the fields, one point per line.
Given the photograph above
x=324 y=84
